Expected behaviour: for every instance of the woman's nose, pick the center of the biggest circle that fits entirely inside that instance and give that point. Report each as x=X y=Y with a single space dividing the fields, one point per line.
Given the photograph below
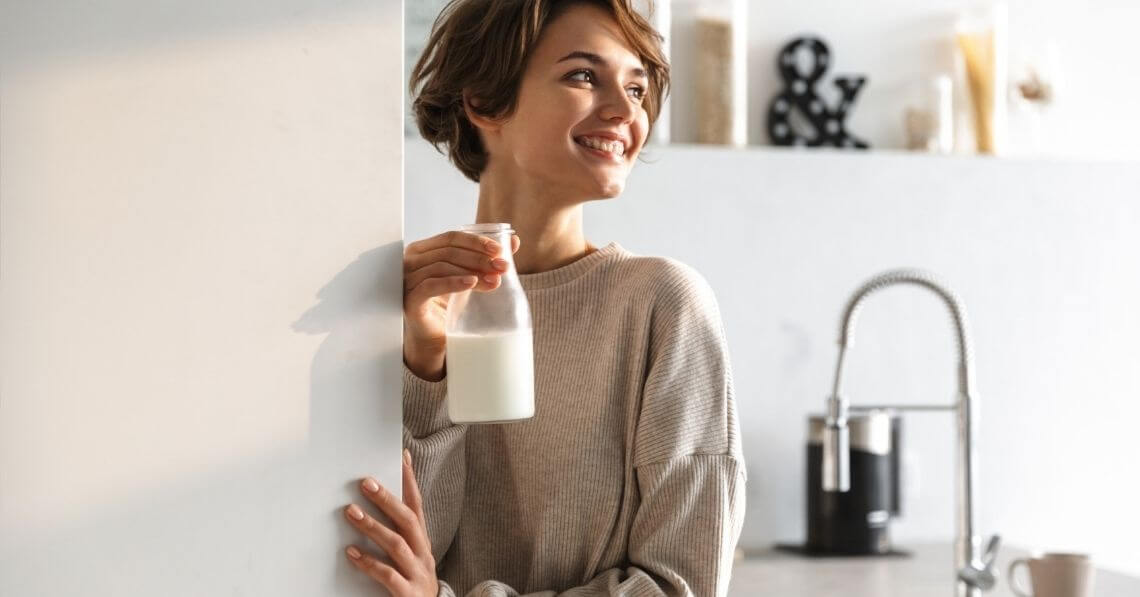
x=619 y=105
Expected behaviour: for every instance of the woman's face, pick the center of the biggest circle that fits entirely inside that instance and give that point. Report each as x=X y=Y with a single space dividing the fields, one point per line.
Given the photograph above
x=582 y=87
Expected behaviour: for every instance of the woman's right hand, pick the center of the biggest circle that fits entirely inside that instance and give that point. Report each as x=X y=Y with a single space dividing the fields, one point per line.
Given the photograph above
x=434 y=268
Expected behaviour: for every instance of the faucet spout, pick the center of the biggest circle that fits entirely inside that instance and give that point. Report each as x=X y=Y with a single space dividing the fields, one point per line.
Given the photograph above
x=836 y=466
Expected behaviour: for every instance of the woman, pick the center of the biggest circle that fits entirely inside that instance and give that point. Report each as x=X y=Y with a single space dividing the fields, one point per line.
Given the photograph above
x=630 y=479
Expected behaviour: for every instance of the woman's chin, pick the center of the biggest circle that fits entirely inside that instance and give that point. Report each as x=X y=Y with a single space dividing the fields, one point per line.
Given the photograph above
x=608 y=188
x=609 y=184
x=612 y=190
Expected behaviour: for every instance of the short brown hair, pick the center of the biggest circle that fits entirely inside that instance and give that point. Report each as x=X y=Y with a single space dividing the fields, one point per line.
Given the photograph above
x=483 y=46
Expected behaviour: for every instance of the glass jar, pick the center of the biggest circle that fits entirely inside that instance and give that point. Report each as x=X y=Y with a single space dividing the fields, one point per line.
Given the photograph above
x=722 y=84
x=928 y=115
x=981 y=40
x=709 y=91
x=490 y=345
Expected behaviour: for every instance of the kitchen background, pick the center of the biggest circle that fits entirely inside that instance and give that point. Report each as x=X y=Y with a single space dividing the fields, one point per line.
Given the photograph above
x=197 y=199
x=1038 y=241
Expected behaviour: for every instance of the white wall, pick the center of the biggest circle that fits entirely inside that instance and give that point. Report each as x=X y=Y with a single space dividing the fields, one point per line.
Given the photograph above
x=1043 y=253
x=199 y=203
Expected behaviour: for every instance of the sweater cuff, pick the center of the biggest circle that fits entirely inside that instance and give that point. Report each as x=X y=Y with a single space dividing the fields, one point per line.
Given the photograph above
x=445 y=589
x=425 y=408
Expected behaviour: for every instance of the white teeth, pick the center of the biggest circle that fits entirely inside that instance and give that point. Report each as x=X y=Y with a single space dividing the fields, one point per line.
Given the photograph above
x=615 y=147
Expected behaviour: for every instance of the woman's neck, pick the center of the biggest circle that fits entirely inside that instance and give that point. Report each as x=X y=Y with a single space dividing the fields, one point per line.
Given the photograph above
x=551 y=232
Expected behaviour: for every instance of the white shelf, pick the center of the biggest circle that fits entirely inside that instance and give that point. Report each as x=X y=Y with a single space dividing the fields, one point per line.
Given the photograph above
x=832 y=152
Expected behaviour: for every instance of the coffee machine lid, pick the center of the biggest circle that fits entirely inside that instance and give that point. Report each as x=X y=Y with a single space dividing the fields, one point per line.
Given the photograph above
x=870 y=431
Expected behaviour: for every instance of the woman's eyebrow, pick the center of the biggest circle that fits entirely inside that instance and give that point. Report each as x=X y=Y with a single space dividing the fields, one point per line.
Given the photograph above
x=599 y=61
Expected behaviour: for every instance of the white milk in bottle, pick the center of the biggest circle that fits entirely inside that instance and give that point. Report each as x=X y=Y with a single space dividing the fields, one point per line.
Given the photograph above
x=490 y=376
x=490 y=345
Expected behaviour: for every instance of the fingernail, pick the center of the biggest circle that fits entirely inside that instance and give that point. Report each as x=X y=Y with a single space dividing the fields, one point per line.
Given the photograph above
x=355 y=512
x=490 y=278
x=492 y=247
x=354 y=553
x=500 y=264
x=371 y=485
x=407 y=457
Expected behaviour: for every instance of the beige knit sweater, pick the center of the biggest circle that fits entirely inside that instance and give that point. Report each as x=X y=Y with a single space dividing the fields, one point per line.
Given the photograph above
x=628 y=480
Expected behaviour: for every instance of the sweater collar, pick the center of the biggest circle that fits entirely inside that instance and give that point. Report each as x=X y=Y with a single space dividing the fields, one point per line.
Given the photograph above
x=570 y=271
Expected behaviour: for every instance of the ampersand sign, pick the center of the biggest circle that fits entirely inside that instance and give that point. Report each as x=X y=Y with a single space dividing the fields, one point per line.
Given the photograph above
x=799 y=95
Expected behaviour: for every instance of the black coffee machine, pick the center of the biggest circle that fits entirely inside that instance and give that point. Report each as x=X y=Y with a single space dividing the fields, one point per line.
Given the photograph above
x=856 y=522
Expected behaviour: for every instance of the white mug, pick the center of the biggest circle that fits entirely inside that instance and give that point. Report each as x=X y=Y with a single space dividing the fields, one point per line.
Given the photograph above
x=1055 y=574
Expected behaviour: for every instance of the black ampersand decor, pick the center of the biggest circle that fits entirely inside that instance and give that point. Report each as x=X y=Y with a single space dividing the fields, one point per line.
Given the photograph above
x=799 y=93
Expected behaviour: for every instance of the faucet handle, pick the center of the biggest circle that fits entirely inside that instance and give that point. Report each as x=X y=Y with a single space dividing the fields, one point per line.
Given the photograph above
x=990 y=554
x=983 y=577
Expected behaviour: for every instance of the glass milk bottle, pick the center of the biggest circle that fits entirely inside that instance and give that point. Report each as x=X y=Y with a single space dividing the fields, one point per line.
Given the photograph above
x=490 y=345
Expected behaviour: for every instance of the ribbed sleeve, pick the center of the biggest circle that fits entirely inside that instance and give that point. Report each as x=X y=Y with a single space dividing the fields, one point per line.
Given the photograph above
x=688 y=405
x=437 y=449
x=425 y=406
x=689 y=522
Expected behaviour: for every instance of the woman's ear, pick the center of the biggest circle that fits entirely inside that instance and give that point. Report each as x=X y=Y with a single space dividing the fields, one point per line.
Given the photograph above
x=484 y=123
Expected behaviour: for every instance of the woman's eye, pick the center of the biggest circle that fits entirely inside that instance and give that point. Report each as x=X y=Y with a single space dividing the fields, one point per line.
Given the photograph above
x=588 y=74
x=589 y=78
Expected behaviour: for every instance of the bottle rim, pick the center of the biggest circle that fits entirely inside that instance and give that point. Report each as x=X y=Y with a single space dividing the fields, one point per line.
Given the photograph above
x=486 y=228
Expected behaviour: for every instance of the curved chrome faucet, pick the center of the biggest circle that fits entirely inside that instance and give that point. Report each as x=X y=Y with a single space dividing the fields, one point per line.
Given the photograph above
x=974 y=570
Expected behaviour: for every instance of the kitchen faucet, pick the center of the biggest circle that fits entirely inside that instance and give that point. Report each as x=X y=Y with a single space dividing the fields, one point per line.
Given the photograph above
x=974 y=570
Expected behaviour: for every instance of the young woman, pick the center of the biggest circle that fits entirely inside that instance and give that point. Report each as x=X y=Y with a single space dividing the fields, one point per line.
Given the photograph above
x=629 y=479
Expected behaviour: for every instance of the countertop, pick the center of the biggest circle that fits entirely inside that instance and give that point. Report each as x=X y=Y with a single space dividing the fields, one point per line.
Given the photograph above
x=927 y=572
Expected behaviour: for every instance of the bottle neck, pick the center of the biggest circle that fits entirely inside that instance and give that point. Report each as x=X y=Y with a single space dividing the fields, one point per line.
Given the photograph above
x=504 y=240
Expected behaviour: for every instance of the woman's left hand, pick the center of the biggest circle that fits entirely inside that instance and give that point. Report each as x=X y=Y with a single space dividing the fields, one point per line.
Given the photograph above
x=409 y=549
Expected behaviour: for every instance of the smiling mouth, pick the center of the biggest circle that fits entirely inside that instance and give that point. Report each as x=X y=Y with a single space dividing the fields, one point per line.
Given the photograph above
x=613 y=150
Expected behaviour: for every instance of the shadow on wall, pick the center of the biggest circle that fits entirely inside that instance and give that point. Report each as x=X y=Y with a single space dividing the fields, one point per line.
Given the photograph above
x=190 y=534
